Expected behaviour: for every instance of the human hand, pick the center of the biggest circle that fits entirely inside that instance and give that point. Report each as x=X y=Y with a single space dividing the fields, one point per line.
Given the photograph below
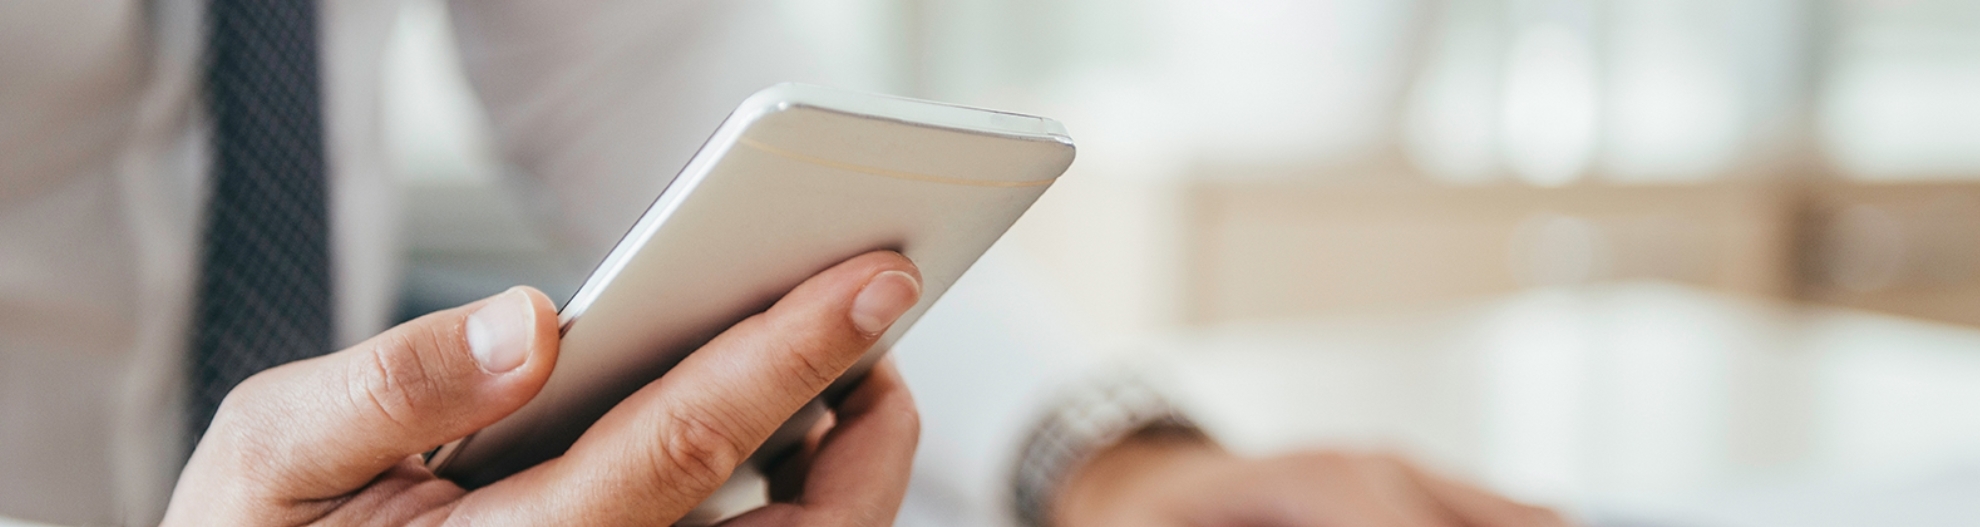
x=1155 y=480
x=335 y=440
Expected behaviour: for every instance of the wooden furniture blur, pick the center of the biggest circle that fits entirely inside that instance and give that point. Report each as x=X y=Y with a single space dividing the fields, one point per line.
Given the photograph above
x=1272 y=248
x=1911 y=249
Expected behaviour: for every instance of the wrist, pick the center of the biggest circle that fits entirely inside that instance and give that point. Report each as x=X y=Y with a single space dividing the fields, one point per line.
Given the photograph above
x=1134 y=475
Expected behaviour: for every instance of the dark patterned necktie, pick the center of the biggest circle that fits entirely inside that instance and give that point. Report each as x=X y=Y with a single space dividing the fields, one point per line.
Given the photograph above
x=264 y=283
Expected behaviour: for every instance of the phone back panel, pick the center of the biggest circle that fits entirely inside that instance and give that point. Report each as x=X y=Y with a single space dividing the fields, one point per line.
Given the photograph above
x=797 y=180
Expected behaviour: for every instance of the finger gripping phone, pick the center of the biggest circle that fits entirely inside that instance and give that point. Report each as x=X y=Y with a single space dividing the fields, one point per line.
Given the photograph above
x=798 y=179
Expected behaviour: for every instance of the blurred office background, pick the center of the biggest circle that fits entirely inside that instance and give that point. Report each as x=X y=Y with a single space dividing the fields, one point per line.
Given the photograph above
x=1658 y=262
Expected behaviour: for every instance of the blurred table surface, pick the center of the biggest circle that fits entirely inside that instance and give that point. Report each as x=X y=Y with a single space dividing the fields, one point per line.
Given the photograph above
x=1642 y=404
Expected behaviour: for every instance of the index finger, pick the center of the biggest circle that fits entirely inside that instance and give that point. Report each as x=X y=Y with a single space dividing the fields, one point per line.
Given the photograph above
x=860 y=472
x=664 y=449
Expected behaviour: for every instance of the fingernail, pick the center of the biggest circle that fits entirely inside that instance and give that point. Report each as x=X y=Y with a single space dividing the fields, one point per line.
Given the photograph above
x=498 y=334
x=884 y=299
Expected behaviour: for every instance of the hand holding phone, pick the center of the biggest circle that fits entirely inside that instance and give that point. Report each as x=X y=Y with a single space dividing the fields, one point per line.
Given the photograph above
x=335 y=439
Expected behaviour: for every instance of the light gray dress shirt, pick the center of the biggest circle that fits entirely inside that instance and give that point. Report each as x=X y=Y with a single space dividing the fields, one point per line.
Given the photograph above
x=102 y=167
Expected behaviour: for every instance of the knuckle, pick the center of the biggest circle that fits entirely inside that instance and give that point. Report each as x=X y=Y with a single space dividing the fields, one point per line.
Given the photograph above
x=812 y=362
x=252 y=409
x=243 y=397
x=391 y=381
x=695 y=453
x=238 y=417
x=808 y=366
x=247 y=429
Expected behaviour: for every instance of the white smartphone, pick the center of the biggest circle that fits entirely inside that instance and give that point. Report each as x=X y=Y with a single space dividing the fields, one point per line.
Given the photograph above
x=798 y=179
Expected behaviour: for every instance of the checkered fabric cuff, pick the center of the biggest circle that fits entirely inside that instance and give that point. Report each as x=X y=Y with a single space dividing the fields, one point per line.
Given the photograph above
x=1084 y=423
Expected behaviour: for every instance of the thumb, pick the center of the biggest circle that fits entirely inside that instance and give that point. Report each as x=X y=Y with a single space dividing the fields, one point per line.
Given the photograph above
x=326 y=426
